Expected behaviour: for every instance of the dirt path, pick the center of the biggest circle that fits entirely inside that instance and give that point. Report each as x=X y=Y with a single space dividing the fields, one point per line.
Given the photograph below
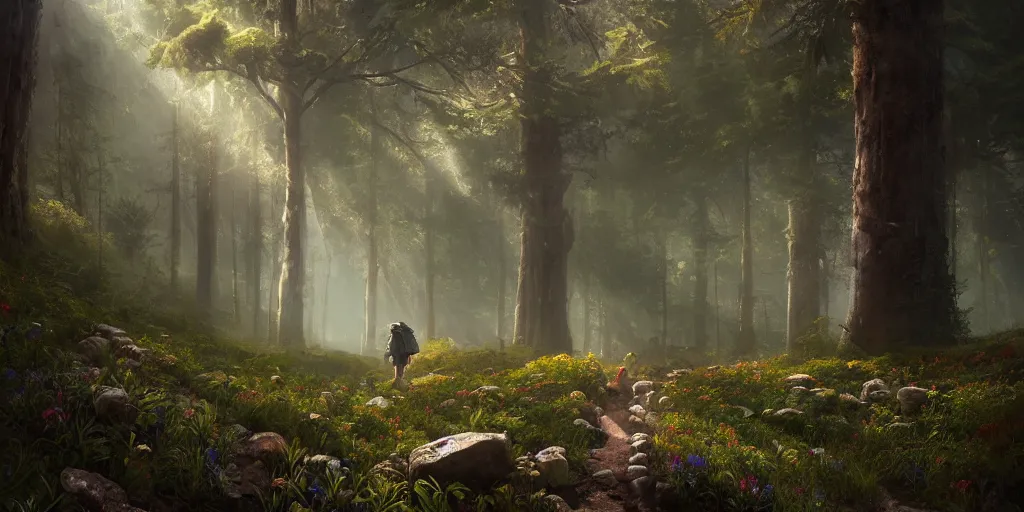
x=614 y=456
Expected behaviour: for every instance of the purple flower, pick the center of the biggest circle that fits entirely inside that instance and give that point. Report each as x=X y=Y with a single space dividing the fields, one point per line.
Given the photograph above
x=10 y=374
x=696 y=461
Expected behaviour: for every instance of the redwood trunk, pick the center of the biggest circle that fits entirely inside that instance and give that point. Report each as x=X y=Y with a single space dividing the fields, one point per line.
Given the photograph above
x=542 y=319
x=236 y=298
x=700 y=285
x=255 y=251
x=746 y=344
x=499 y=328
x=18 y=38
x=293 y=270
x=902 y=287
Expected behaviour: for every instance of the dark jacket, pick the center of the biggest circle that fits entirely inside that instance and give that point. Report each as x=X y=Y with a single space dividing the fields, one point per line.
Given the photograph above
x=402 y=342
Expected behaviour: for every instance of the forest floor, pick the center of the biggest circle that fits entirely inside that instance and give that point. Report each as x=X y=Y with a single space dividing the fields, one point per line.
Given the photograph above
x=162 y=417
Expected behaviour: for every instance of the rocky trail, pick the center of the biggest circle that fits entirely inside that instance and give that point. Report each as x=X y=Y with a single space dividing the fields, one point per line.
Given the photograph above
x=620 y=478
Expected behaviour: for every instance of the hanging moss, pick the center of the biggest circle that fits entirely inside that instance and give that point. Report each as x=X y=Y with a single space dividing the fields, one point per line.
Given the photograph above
x=197 y=47
x=250 y=46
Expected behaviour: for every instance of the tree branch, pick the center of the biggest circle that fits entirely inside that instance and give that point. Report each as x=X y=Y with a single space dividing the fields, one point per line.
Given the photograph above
x=257 y=83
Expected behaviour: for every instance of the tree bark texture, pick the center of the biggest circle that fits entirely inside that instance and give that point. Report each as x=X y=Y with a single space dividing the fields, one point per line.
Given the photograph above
x=19 y=20
x=255 y=250
x=502 y=292
x=430 y=268
x=542 y=319
x=804 y=277
x=746 y=344
x=902 y=290
x=292 y=287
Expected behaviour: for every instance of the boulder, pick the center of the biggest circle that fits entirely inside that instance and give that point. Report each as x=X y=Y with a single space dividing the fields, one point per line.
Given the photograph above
x=642 y=387
x=606 y=477
x=911 y=399
x=641 y=446
x=250 y=479
x=485 y=390
x=638 y=437
x=94 y=348
x=664 y=401
x=642 y=486
x=870 y=386
x=476 y=460
x=131 y=352
x=553 y=466
x=799 y=379
x=264 y=446
x=634 y=472
x=878 y=396
x=379 y=401
x=108 y=331
x=558 y=502
x=94 y=492
x=638 y=411
x=112 y=404
x=640 y=459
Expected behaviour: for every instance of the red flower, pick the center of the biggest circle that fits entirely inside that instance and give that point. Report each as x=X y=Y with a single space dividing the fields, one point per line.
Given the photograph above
x=189 y=413
x=961 y=485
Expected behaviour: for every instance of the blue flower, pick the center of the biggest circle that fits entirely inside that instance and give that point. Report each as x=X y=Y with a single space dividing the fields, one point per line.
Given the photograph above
x=212 y=456
x=819 y=495
x=10 y=374
x=766 y=493
x=316 y=489
x=696 y=461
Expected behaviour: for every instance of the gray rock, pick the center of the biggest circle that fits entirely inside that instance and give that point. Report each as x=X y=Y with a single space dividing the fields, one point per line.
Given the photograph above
x=477 y=460
x=799 y=379
x=641 y=446
x=788 y=412
x=664 y=401
x=639 y=459
x=447 y=403
x=911 y=399
x=108 y=331
x=634 y=472
x=264 y=446
x=878 y=396
x=558 y=502
x=553 y=466
x=94 y=348
x=379 y=401
x=638 y=411
x=642 y=486
x=872 y=385
x=639 y=436
x=486 y=390
x=635 y=421
x=642 y=387
x=321 y=464
x=598 y=411
x=606 y=477
x=94 y=492
x=112 y=404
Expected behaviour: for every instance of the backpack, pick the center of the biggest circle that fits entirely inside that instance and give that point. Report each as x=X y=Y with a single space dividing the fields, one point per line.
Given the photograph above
x=412 y=347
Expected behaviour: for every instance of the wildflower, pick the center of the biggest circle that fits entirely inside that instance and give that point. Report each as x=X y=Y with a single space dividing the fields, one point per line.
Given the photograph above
x=961 y=485
x=316 y=489
x=313 y=415
x=5 y=307
x=189 y=413
x=696 y=461
x=800 y=491
x=767 y=491
x=819 y=495
x=143 y=448
x=278 y=483
x=10 y=374
x=55 y=414
x=817 y=451
x=939 y=460
x=677 y=464
x=748 y=484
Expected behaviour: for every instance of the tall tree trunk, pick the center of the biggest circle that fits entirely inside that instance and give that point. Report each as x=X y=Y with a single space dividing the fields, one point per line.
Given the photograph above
x=428 y=245
x=602 y=331
x=700 y=273
x=664 y=290
x=983 y=254
x=587 y=304
x=255 y=250
x=293 y=272
x=746 y=344
x=58 y=136
x=542 y=318
x=18 y=38
x=902 y=288
x=175 y=200
x=274 y=302
x=718 y=317
x=206 y=229
x=499 y=328
x=372 y=257
x=804 y=280
x=236 y=298
x=327 y=296
x=99 y=212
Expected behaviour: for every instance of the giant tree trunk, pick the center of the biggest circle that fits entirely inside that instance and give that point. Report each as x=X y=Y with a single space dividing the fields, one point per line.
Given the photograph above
x=542 y=318
x=19 y=20
x=274 y=302
x=700 y=273
x=983 y=254
x=902 y=288
x=746 y=344
x=235 y=297
x=586 y=304
x=372 y=257
x=293 y=269
x=175 y=201
x=664 y=290
x=206 y=229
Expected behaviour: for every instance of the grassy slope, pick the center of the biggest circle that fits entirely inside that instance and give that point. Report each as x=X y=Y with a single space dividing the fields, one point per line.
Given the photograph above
x=962 y=450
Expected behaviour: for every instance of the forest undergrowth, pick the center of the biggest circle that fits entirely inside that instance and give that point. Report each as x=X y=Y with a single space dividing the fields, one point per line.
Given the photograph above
x=775 y=434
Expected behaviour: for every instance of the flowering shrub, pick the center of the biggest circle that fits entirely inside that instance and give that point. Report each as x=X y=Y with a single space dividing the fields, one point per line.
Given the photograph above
x=960 y=450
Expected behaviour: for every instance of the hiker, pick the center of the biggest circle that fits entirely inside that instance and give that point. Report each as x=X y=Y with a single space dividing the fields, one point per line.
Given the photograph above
x=402 y=346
